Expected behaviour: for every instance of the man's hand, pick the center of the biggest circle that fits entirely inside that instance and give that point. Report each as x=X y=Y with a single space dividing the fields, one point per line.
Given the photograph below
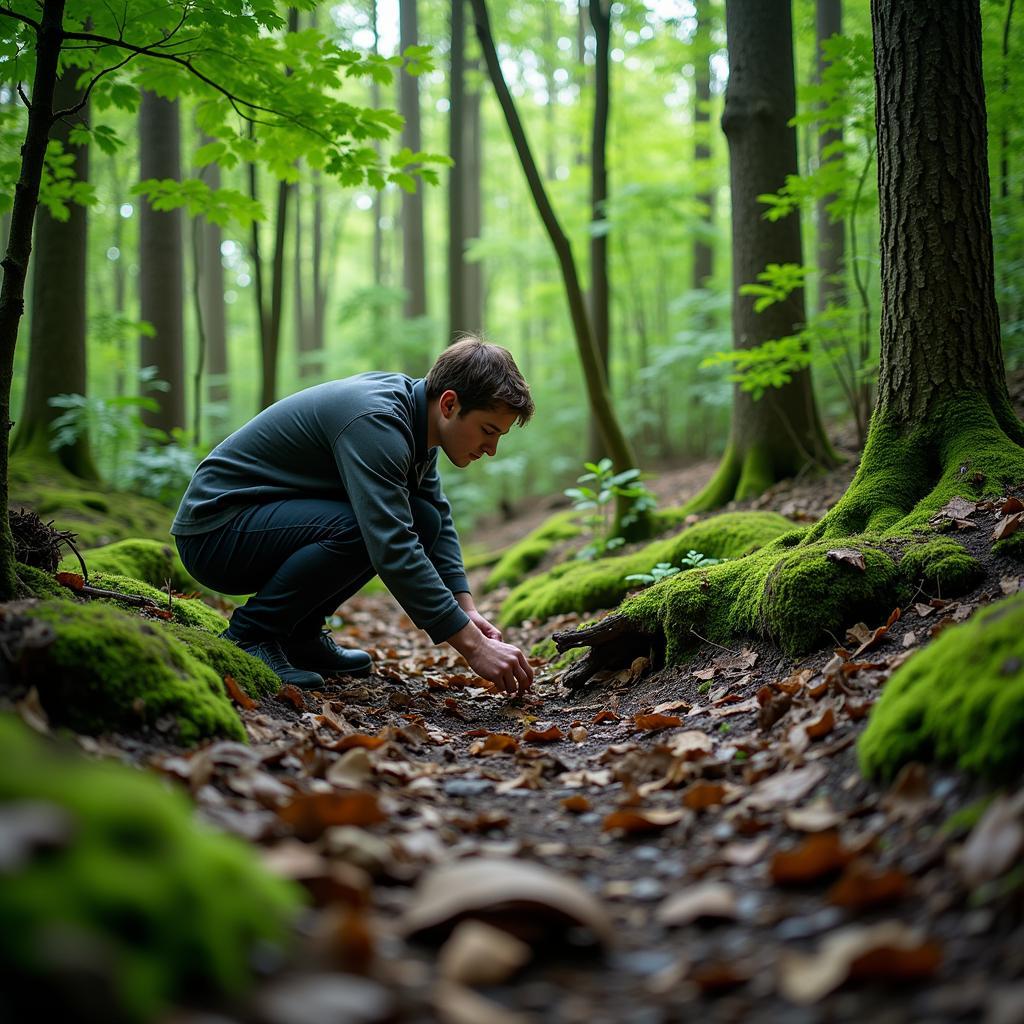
x=503 y=664
x=488 y=629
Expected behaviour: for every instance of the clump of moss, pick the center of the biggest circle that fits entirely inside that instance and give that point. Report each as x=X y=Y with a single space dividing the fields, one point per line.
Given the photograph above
x=796 y=596
x=585 y=586
x=941 y=566
x=131 y=906
x=151 y=561
x=39 y=582
x=226 y=659
x=528 y=553
x=97 y=515
x=960 y=700
x=108 y=669
x=188 y=611
x=1011 y=547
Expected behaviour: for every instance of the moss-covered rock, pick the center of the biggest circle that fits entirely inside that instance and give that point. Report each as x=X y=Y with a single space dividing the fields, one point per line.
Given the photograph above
x=130 y=906
x=1011 y=547
x=960 y=700
x=528 y=553
x=794 y=595
x=108 y=669
x=941 y=566
x=226 y=659
x=188 y=611
x=39 y=582
x=585 y=586
x=151 y=561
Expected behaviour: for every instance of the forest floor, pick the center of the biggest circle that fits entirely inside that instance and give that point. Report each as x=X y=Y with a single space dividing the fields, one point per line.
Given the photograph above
x=692 y=842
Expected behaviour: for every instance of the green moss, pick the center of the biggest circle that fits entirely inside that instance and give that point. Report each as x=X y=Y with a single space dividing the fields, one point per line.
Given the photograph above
x=1012 y=547
x=941 y=566
x=529 y=552
x=109 y=670
x=97 y=515
x=585 y=586
x=41 y=583
x=794 y=595
x=188 y=611
x=146 y=904
x=152 y=561
x=960 y=700
x=226 y=659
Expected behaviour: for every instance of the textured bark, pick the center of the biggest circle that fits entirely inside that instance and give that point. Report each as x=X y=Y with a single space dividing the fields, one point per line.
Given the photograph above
x=457 y=173
x=831 y=234
x=939 y=325
x=19 y=247
x=413 y=248
x=472 y=218
x=780 y=435
x=703 y=253
x=57 y=351
x=161 y=268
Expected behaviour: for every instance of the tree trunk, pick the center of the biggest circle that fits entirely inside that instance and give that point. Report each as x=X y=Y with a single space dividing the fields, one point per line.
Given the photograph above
x=600 y=18
x=161 y=269
x=57 y=350
x=413 y=254
x=210 y=274
x=703 y=253
x=457 y=173
x=472 y=217
x=831 y=235
x=780 y=435
x=19 y=248
x=617 y=444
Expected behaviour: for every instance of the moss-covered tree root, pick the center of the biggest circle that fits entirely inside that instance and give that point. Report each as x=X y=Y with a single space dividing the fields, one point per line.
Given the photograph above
x=152 y=561
x=108 y=669
x=960 y=700
x=585 y=586
x=131 y=907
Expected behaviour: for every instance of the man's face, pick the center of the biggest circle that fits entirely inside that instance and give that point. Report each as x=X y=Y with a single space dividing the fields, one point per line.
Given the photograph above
x=466 y=438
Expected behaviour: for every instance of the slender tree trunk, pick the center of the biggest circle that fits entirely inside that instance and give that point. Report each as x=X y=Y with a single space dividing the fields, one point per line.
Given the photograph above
x=413 y=246
x=703 y=252
x=57 y=350
x=19 y=248
x=780 y=435
x=550 y=141
x=161 y=262
x=319 y=298
x=119 y=275
x=597 y=387
x=472 y=218
x=457 y=173
x=600 y=18
x=831 y=235
x=1004 y=132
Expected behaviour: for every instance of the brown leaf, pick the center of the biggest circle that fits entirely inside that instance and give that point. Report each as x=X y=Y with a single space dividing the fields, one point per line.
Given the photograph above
x=72 y=580
x=705 y=674
x=605 y=716
x=924 y=610
x=358 y=739
x=531 y=898
x=740 y=708
x=744 y=855
x=956 y=508
x=543 y=732
x=494 y=743
x=785 y=787
x=351 y=770
x=309 y=814
x=480 y=954
x=1007 y=526
x=887 y=950
x=670 y=706
x=576 y=804
x=654 y=722
x=863 y=887
x=822 y=725
x=289 y=694
x=817 y=816
x=1011 y=505
x=701 y=795
x=238 y=695
x=819 y=855
x=847 y=556
x=634 y=821
x=691 y=745
x=704 y=901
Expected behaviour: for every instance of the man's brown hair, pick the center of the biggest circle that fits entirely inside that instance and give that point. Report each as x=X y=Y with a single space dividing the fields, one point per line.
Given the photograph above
x=483 y=376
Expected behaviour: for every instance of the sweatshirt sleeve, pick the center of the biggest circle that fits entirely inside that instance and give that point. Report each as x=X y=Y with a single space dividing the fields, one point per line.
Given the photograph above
x=374 y=458
x=447 y=552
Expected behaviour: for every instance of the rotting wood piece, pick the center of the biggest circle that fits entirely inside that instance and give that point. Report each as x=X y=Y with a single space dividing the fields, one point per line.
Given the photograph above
x=614 y=642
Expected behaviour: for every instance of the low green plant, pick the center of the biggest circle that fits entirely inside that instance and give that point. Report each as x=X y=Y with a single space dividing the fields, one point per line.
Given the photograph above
x=691 y=560
x=600 y=487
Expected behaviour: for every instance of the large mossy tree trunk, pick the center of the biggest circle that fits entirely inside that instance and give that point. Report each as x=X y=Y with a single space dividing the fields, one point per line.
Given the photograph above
x=161 y=262
x=780 y=435
x=57 y=351
x=943 y=423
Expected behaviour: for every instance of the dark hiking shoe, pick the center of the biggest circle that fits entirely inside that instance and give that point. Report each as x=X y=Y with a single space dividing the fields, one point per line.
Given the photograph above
x=271 y=653
x=322 y=654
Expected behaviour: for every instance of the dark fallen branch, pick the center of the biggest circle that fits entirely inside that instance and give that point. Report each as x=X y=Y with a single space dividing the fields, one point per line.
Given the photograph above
x=133 y=599
x=614 y=642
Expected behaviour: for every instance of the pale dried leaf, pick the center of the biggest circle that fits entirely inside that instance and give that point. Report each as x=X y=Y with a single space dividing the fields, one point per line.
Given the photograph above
x=706 y=900
x=480 y=954
x=996 y=841
x=847 y=556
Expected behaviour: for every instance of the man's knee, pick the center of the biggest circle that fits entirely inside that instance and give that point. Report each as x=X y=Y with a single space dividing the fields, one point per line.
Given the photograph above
x=426 y=522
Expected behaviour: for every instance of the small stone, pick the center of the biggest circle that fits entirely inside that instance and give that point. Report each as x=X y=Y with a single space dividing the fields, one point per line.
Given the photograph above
x=648 y=889
x=467 y=787
x=647 y=853
x=809 y=926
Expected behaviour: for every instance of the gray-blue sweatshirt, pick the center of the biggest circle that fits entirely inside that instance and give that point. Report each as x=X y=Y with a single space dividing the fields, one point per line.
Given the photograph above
x=362 y=440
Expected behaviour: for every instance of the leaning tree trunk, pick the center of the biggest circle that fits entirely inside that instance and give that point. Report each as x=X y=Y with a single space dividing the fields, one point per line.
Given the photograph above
x=703 y=252
x=413 y=246
x=19 y=247
x=57 y=351
x=161 y=268
x=457 y=174
x=472 y=217
x=781 y=435
x=830 y=230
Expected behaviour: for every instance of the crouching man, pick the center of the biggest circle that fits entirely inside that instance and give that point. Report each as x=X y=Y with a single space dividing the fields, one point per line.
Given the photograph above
x=338 y=483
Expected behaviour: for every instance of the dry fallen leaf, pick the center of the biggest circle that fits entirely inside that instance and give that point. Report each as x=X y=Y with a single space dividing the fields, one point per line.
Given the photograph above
x=822 y=725
x=527 y=896
x=847 y=556
x=577 y=803
x=817 y=816
x=480 y=954
x=887 y=950
x=995 y=842
x=605 y=716
x=578 y=734
x=706 y=900
x=785 y=787
x=543 y=732
x=634 y=821
x=358 y=739
x=1007 y=526
x=654 y=722
x=701 y=795
x=237 y=694
x=351 y=770
x=743 y=855
x=309 y=814
x=691 y=745
x=819 y=855
x=494 y=743
x=863 y=887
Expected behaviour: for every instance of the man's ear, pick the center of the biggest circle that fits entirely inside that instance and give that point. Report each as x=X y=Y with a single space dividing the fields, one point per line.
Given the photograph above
x=448 y=403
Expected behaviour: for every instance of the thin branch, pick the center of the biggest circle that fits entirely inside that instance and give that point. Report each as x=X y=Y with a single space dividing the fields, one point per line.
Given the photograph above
x=71 y=111
x=8 y=13
x=24 y=98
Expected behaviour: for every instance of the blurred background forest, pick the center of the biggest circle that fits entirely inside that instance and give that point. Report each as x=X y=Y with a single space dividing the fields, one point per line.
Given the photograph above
x=192 y=323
